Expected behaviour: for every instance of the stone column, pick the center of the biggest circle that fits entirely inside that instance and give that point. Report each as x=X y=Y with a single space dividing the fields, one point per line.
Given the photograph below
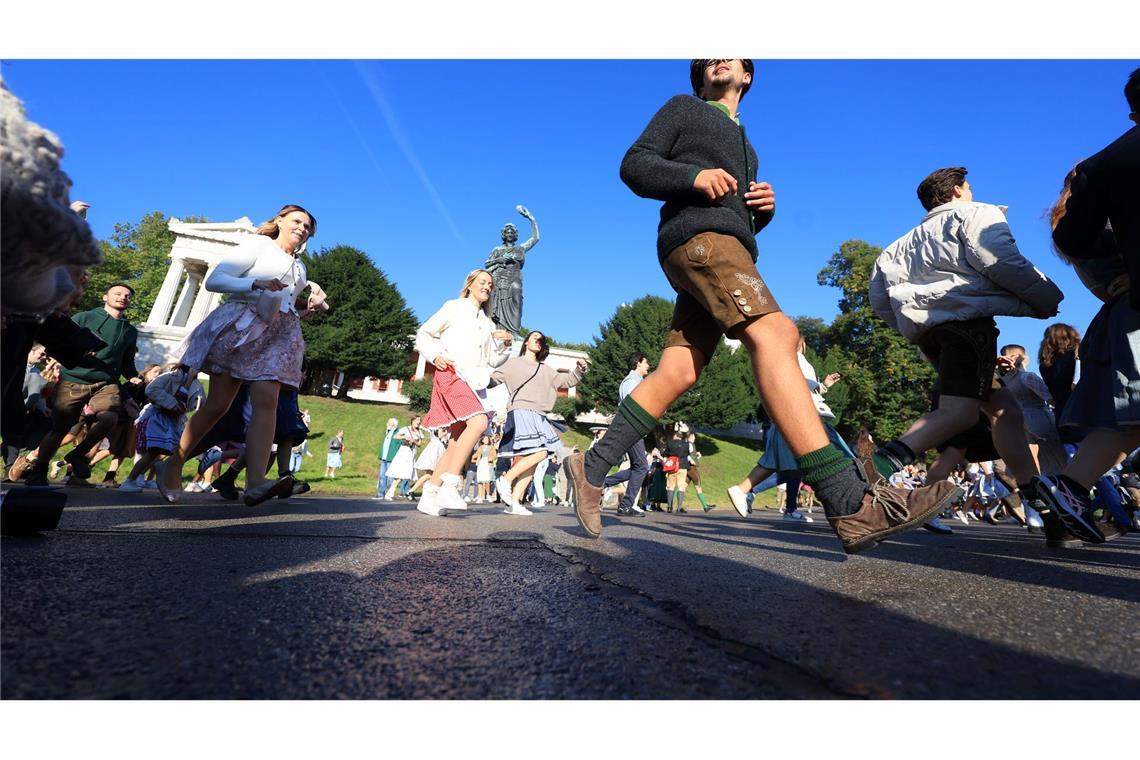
x=161 y=309
x=421 y=366
x=204 y=303
x=185 y=300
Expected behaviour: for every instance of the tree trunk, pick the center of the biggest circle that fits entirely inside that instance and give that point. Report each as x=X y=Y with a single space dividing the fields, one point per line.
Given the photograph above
x=345 y=386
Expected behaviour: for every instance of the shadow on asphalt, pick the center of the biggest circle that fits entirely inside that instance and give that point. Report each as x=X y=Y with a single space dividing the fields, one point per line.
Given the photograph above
x=120 y=614
x=1007 y=555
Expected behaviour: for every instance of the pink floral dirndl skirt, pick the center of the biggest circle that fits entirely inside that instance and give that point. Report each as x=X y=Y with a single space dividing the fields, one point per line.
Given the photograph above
x=233 y=340
x=452 y=400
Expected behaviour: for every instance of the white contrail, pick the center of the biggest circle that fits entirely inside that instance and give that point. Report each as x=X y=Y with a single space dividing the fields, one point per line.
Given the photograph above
x=405 y=146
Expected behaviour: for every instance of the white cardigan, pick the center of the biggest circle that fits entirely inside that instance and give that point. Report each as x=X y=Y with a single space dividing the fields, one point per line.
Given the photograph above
x=258 y=258
x=461 y=332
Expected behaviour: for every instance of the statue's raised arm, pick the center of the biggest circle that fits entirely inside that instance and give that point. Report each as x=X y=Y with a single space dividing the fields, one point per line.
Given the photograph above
x=533 y=228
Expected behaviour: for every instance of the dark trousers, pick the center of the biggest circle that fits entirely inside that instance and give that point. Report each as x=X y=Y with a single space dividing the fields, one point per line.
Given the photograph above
x=638 y=469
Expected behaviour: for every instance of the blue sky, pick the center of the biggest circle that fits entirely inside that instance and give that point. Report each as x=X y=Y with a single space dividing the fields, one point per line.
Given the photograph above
x=420 y=162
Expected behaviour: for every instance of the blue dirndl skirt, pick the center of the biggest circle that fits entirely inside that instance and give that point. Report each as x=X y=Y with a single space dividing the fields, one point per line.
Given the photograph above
x=779 y=458
x=526 y=432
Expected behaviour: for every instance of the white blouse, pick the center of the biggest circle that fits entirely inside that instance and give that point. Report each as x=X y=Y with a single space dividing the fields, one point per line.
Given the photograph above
x=462 y=332
x=258 y=257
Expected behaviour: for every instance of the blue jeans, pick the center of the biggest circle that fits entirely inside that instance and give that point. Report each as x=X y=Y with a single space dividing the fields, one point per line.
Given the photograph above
x=638 y=469
x=382 y=482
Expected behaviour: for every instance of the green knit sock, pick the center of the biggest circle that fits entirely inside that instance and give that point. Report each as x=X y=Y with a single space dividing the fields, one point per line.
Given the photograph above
x=642 y=421
x=631 y=424
x=821 y=463
x=701 y=498
x=836 y=480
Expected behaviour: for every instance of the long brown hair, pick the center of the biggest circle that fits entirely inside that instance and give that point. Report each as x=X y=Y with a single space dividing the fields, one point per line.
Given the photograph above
x=1060 y=338
x=271 y=230
x=1058 y=211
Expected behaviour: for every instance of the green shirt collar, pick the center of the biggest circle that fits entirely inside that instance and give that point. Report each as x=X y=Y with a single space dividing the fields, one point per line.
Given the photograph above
x=723 y=109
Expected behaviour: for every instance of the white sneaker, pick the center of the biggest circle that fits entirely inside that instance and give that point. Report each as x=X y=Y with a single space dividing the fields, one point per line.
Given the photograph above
x=428 y=506
x=960 y=515
x=797 y=516
x=517 y=509
x=151 y=484
x=739 y=501
x=131 y=486
x=192 y=488
x=504 y=489
x=637 y=509
x=448 y=498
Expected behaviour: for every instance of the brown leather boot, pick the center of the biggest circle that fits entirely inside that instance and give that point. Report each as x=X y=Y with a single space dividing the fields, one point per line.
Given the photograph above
x=888 y=510
x=587 y=497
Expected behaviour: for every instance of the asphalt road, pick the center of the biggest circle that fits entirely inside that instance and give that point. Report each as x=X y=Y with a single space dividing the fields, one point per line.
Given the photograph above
x=352 y=598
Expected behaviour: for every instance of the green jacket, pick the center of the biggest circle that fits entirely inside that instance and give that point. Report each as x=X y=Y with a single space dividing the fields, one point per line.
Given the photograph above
x=115 y=360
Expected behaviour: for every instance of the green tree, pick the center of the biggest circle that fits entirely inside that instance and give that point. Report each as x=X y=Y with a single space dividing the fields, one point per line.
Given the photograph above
x=638 y=326
x=814 y=332
x=137 y=254
x=370 y=329
x=725 y=394
x=886 y=383
x=569 y=407
x=418 y=393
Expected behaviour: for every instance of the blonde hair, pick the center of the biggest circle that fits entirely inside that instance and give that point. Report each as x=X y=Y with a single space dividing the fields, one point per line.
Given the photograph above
x=467 y=288
x=271 y=229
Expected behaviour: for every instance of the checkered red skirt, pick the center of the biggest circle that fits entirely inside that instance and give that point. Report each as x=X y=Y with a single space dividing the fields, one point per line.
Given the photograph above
x=452 y=400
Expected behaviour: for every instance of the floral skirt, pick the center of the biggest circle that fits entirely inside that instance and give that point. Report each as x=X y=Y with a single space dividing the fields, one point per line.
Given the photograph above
x=234 y=341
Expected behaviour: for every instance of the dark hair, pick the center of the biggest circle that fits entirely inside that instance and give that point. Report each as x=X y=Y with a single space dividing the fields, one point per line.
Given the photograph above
x=938 y=187
x=1019 y=362
x=634 y=359
x=1132 y=91
x=697 y=68
x=119 y=285
x=544 y=345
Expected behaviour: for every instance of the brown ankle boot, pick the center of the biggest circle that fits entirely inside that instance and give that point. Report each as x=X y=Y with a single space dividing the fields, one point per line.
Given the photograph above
x=888 y=510
x=587 y=497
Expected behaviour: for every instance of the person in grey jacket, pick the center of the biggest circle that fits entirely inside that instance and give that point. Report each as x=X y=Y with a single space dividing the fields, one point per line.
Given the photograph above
x=940 y=285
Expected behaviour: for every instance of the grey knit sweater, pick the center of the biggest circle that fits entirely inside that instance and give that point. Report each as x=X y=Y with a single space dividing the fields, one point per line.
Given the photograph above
x=537 y=394
x=685 y=137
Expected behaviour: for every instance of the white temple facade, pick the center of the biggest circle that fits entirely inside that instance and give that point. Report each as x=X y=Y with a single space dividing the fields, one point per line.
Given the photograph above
x=182 y=302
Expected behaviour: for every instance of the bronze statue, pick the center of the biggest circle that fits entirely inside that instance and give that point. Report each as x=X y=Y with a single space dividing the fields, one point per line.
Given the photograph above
x=505 y=265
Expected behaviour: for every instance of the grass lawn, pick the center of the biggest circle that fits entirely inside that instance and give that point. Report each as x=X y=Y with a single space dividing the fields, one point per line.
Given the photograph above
x=725 y=461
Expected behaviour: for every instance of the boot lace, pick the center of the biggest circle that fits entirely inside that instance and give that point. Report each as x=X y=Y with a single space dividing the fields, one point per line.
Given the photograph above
x=892 y=501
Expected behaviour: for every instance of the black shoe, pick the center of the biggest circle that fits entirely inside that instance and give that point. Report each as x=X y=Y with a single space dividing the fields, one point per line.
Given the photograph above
x=299 y=487
x=682 y=510
x=629 y=512
x=224 y=486
x=1057 y=536
x=79 y=466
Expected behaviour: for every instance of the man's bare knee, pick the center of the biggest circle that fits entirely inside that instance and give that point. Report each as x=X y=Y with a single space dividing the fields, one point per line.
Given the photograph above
x=770 y=331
